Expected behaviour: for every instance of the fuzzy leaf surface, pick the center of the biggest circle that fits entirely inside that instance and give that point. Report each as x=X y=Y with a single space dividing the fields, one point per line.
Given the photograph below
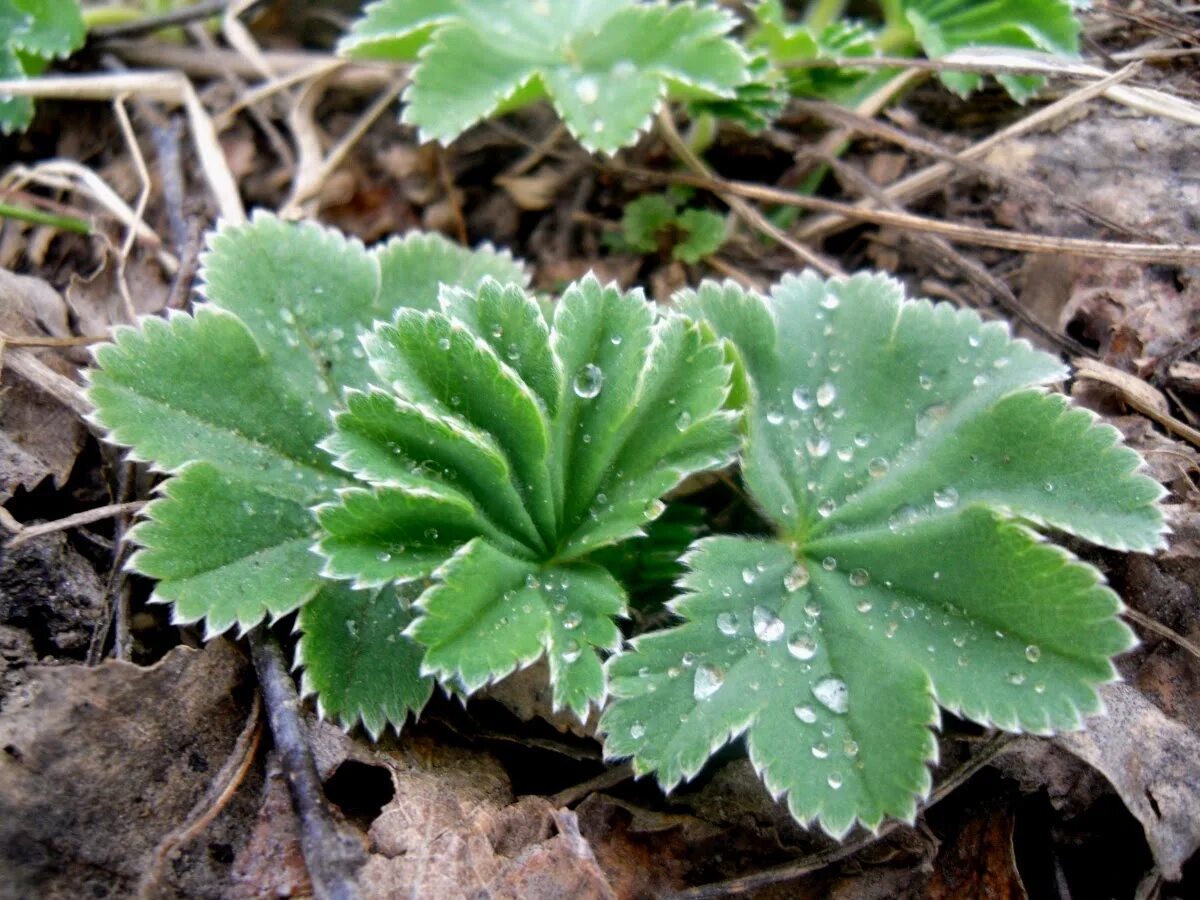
x=504 y=451
x=236 y=399
x=606 y=65
x=899 y=448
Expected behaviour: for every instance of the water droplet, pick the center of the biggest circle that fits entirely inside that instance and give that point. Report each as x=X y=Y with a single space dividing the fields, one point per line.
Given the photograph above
x=945 y=498
x=826 y=394
x=637 y=731
x=531 y=582
x=812 y=609
x=802 y=398
x=834 y=780
x=1039 y=688
x=684 y=420
x=1033 y=653
x=768 y=627
x=443 y=343
x=805 y=713
x=615 y=340
x=820 y=751
x=775 y=417
x=1016 y=678
x=877 y=467
x=829 y=563
x=930 y=418
x=383 y=556
x=708 y=681
x=826 y=507
x=817 y=447
x=587 y=89
x=979 y=380
x=571 y=652
x=795 y=579
x=860 y=577
x=862 y=439
x=1000 y=362
x=588 y=381
x=863 y=606
x=431 y=534
x=688 y=659
x=572 y=620
x=963 y=662
x=903 y=517
x=727 y=623
x=1048 y=487
x=673 y=672
x=601 y=498
x=748 y=575
x=850 y=748
x=907 y=612
x=624 y=69
x=845 y=454
x=973 y=340
x=925 y=381
x=833 y=694
x=287 y=315
x=802 y=645
x=352 y=628
x=830 y=301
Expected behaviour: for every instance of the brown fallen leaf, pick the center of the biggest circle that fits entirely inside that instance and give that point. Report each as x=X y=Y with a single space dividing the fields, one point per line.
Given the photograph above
x=1151 y=762
x=100 y=763
x=39 y=437
x=978 y=861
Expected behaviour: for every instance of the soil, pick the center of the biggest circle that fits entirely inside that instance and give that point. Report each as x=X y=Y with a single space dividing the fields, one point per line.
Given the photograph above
x=137 y=759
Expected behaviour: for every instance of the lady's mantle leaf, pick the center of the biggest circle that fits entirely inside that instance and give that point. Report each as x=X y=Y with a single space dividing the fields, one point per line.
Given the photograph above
x=605 y=64
x=508 y=451
x=31 y=33
x=942 y=27
x=237 y=398
x=892 y=444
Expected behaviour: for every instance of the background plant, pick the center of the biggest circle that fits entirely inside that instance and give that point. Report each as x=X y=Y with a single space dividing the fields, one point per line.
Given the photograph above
x=606 y=65
x=902 y=457
x=232 y=402
x=661 y=222
x=32 y=34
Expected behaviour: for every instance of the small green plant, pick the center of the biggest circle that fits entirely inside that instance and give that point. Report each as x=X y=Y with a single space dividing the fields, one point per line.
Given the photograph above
x=909 y=27
x=655 y=222
x=32 y=33
x=606 y=65
x=233 y=401
x=488 y=467
x=903 y=454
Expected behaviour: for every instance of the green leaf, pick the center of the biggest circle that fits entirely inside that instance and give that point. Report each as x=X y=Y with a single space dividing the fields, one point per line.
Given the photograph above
x=943 y=26
x=606 y=65
x=226 y=551
x=357 y=659
x=705 y=234
x=899 y=448
x=490 y=614
x=32 y=32
x=509 y=452
x=784 y=42
x=644 y=218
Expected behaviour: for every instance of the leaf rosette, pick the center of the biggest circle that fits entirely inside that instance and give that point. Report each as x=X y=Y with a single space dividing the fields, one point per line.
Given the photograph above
x=904 y=453
x=232 y=402
x=504 y=451
x=606 y=65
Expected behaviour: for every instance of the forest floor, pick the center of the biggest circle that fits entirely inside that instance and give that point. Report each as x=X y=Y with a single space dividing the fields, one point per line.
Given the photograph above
x=137 y=759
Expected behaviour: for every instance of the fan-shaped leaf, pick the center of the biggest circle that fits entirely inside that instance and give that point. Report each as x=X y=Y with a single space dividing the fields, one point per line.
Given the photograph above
x=510 y=451
x=33 y=32
x=892 y=444
x=605 y=64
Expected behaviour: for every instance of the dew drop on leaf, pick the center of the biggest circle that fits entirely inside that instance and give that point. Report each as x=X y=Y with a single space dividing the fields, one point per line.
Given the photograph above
x=817 y=447
x=802 y=398
x=877 y=467
x=802 y=645
x=768 y=627
x=572 y=620
x=775 y=417
x=707 y=681
x=531 y=582
x=834 y=780
x=826 y=507
x=588 y=381
x=571 y=652
x=930 y=418
x=860 y=577
x=637 y=731
x=826 y=394
x=383 y=556
x=833 y=694
x=945 y=498
x=748 y=575
x=795 y=579
x=1016 y=678
x=443 y=343
x=862 y=439
x=925 y=381
x=1033 y=653
x=727 y=623
x=805 y=713
x=587 y=90
x=820 y=751
x=829 y=563
x=684 y=420
x=850 y=748
x=863 y=606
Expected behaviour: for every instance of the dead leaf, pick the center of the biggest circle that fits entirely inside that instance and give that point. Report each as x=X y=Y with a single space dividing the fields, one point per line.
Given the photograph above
x=96 y=300
x=533 y=192
x=978 y=861
x=100 y=763
x=39 y=437
x=562 y=866
x=1151 y=761
x=271 y=863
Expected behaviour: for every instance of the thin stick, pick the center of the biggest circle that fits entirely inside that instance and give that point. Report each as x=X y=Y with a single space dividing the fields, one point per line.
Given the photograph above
x=29 y=532
x=333 y=859
x=1162 y=630
x=149 y=24
x=139 y=212
x=41 y=376
x=208 y=807
x=1168 y=254
x=934 y=176
x=608 y=778
x=744 y=210
x=26 y=340
x=817 y=861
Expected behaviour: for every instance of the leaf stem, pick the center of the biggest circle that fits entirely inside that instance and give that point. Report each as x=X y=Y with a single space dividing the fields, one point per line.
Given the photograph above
x=822 y=13
x=38 y=217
